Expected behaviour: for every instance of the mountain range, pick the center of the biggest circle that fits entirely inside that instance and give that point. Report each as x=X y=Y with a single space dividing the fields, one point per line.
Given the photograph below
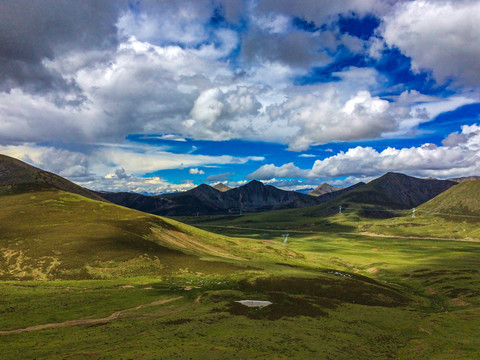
x=206 y=200
x=392 y=190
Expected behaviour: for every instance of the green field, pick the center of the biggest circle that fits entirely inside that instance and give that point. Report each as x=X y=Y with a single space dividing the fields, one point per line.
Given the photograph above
x=85 y=279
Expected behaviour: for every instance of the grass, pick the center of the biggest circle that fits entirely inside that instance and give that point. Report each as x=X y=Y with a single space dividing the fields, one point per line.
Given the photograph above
x=337 y=292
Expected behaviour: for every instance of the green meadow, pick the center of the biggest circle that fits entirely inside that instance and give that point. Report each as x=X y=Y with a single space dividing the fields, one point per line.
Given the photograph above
x=85 y=279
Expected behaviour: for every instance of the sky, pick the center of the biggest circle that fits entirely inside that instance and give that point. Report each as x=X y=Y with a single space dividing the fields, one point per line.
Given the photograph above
x=161 y=96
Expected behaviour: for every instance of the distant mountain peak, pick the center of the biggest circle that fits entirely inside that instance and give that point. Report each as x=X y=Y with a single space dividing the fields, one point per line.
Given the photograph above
x=254 y=184
x=222 y=187
x=203 y=188
x=396 y=190
x=324 y=189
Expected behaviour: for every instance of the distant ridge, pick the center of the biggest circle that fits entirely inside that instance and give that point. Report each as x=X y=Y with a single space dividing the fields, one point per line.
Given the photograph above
x=206 y=200
x=324 y=189
x=221 y=187
x=15 y=173
x=397 y=191
x=465 y=178
x=332 y=195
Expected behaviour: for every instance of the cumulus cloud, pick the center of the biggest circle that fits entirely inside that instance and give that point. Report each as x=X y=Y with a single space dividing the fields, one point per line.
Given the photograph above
x=196 y=171
x=325 y=117
x=270 y=171
x=441 y=36
x=460 y=156
x=217 y=70
x=122 y=174
x=307 y=155
x=147 y=185
x=223 y=115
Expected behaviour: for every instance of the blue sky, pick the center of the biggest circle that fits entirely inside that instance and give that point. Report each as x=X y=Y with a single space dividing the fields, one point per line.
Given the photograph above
x=157 y=96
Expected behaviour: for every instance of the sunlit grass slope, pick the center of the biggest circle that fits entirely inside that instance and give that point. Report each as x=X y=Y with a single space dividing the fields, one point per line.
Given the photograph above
x=462 y=200
x=46 y=233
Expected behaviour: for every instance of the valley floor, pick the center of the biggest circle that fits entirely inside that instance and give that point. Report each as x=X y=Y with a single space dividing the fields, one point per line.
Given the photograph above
x=338 y=297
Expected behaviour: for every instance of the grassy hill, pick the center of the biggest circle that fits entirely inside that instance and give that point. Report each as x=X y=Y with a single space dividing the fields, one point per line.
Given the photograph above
x=462 y=199
x=46 y=233
x=15 y=175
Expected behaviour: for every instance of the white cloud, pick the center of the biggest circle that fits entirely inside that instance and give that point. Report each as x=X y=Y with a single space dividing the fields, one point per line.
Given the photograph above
x=196 y=171
x=307 y=155
x=170 y=137
x=149 y=185
x=441 y=36
x=324 y=117
x=173 y=25
x=460 y=156
x=270 y=171
x=273 y=23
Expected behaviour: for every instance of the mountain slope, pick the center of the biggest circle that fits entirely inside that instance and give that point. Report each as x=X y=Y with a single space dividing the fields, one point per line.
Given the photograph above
x=396 y=191
x=324 y=189
x=52 y=234
x=48 y=233
x=17 y=174
x=204 y=199
x=462 y=199
x=332 y=195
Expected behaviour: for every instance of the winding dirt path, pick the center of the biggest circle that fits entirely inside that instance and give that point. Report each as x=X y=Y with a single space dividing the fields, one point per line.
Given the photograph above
x=104 y=320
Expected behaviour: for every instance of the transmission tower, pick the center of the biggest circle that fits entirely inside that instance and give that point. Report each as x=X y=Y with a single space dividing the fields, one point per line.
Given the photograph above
x=413 y=212
x=285 y=238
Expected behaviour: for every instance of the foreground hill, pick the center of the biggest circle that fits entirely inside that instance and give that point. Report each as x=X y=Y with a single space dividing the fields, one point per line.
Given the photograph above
x=51 y=234
x=16 y=173
x=206 y=200
x=50 y=228
x=462 y=199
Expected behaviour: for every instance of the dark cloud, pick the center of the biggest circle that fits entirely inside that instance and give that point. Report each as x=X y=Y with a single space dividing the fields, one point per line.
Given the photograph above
x=313 y=10
x=122 y=174
x=220 y=177
x=32 y=31
x=298 y=48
